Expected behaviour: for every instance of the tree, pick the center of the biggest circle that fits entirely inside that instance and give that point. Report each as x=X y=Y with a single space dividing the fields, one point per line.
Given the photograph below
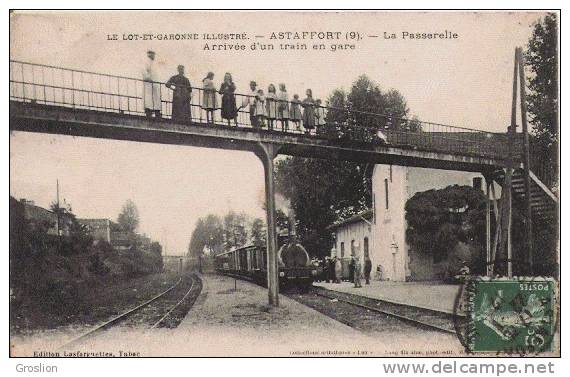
x=235 y=230
x=258 y=233
x=354 y=115
x=156 y=248
x=541 y=59
x=128 y=219
x=20 y=247
x=440 y=221
x=324 y=191
x=214 y=231
x=156 y=251
x=78 y=239
x=208 y=234
x=64 y=213
x=414 y=124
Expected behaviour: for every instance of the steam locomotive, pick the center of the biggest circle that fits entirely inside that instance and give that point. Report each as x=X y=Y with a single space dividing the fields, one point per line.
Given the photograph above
x=250 y=262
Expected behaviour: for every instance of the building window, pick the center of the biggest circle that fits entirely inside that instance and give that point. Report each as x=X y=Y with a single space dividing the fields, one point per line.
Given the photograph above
x=366 y=252
x=386 y=192
x=342 y=249
x=352 y=248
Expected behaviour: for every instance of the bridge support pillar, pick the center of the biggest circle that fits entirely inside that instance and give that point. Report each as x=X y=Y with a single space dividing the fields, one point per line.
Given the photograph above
x=267 y=153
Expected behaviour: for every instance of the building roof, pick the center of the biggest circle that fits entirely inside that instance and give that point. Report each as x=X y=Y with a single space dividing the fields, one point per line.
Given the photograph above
x=35 y=212
x=359 y=217
x=95 y=223
x=101 y=221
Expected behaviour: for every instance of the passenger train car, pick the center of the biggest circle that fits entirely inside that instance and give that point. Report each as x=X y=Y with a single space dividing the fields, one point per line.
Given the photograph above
x=250 y=262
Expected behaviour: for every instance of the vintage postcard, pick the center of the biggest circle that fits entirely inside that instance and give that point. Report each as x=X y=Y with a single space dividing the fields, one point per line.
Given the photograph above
x=284 y=184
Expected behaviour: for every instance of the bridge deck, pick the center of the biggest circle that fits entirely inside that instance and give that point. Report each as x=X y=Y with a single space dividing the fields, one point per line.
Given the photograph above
x=82 y=102
x=34 y=117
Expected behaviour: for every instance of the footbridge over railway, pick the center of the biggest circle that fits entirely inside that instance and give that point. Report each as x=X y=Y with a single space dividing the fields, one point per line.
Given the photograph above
x=55 y=100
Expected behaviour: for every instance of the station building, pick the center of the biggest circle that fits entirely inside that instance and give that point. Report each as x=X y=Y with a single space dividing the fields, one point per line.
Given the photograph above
x=99 y=229
x=381 y=231
x=109 y=231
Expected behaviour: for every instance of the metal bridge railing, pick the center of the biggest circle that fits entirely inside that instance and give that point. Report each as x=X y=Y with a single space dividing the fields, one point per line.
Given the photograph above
x=56 y=86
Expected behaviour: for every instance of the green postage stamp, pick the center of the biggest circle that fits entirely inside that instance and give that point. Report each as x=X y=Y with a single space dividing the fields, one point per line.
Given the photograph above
x=510 y=315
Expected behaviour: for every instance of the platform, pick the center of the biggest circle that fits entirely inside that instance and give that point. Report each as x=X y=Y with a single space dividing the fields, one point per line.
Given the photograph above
x=226 y=321
x=239 y=322
x=428 y=295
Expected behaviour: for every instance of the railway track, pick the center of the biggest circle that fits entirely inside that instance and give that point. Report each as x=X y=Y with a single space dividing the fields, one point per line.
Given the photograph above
x=166 y=309
x=372 y=315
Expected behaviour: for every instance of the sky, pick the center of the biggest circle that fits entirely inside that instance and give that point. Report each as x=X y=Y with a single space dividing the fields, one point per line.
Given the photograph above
x=464 y=82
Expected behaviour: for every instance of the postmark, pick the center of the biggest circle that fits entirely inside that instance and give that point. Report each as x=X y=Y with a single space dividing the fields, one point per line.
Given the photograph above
x=508 y=315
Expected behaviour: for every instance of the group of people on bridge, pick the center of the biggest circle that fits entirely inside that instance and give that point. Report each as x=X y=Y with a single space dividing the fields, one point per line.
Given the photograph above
x=265 y=109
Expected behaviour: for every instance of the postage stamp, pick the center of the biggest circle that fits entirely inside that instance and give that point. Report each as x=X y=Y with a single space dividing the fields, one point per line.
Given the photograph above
x=510 y=315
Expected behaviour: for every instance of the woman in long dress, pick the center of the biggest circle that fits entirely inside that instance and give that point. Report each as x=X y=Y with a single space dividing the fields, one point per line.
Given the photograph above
x=259 y=106
x=308 y=112
x=271 y=105
x=320 y=114
x=229 y=108
x=283 y=107
x=295 y=112
x=209 y=97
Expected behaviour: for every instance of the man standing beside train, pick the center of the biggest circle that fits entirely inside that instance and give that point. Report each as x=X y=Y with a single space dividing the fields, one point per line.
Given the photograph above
x=337 y=269
x=332 y=262
x=367 y=269
x=357 y=272
x=357 y=266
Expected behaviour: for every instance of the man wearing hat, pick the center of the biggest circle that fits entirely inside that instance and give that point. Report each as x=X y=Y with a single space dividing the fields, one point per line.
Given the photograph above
x=337 y=270
x=151 y=88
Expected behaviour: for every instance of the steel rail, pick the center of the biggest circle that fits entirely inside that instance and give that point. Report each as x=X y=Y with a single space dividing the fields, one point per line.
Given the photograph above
x=401 y=317
x=175 y=305
x=118 y=318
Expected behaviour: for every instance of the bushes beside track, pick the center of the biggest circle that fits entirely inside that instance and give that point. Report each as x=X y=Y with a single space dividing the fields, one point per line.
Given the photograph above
x=49 y=275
